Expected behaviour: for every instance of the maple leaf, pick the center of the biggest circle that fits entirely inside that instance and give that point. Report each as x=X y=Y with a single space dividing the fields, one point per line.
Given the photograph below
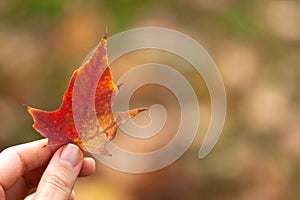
x=85 y=116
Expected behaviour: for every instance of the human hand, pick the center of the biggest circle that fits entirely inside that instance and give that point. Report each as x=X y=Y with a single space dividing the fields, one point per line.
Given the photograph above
x=49 y=171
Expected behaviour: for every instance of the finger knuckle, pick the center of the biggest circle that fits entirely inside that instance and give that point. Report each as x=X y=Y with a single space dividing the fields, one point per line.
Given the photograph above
x=8 y=151
x=16 y=155
x=57 y=182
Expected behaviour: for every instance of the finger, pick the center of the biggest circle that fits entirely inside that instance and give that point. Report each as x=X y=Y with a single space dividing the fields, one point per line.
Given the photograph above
x=88 y=167
x=15 y=161
x=25 y=184
x=59 y=178
x=72 y=197
x=29 y=181
x=18 y=191
x=30 y=197
x=2 y=192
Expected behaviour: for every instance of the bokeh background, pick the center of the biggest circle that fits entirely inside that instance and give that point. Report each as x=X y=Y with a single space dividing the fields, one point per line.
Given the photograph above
x=256 y=47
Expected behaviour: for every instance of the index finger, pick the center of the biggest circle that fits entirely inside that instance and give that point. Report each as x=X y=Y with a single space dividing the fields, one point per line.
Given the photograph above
x=16 y=160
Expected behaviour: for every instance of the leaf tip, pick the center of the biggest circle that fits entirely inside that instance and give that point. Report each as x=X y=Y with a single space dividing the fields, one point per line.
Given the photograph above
x=105 y=34
x=25 y=106
x=134 y=112
x=142 y=109
x=28 y=108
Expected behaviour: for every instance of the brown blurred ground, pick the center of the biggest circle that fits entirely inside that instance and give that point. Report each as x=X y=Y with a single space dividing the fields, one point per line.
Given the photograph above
x=256 y=45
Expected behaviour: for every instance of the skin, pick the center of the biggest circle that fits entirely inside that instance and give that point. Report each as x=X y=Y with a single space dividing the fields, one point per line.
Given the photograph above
x=36 y=171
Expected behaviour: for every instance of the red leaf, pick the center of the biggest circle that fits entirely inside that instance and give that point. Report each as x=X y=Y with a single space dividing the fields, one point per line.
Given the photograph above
x=92 y=97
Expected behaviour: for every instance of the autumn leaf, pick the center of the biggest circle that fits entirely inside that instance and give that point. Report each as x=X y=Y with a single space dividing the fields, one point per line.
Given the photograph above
x=85 y=116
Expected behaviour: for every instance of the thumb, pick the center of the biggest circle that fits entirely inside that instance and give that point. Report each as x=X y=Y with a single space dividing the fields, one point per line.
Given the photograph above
x=60 y=176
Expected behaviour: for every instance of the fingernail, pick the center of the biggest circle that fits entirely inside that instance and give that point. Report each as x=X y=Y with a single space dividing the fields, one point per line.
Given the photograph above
x=71 y=155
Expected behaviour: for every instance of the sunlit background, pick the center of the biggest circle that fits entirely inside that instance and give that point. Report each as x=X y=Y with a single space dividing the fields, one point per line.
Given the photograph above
x=256 y=45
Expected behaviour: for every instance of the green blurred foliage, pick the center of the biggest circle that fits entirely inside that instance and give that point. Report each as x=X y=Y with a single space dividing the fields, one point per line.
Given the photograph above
x=31 y=10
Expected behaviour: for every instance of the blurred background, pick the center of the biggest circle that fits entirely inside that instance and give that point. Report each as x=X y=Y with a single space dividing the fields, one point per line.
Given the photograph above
x=254 y=43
